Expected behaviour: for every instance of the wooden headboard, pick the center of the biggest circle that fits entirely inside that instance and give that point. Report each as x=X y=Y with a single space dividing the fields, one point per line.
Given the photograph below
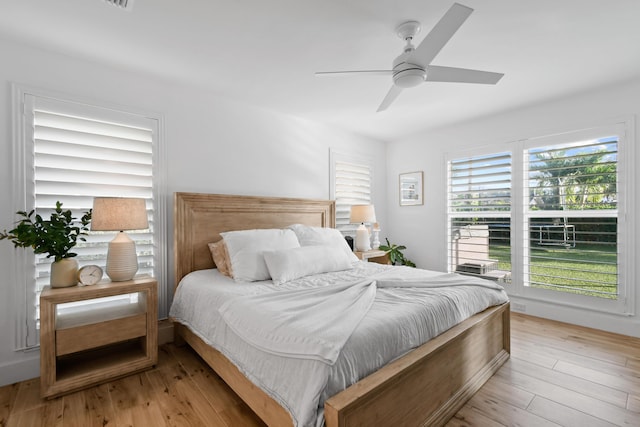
x=200 y=218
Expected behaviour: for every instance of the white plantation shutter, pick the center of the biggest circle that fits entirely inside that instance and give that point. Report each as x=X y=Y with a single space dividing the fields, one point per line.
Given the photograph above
x=351 y=186
x=573 y=214
x=480 y=184
x=479 y=206
x=76 y=152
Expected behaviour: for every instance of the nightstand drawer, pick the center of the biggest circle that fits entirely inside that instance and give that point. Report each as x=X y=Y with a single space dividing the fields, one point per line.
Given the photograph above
x=81 y=338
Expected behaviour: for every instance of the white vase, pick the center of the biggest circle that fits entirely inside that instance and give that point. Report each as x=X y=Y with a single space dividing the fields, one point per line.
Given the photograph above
x=64 y=273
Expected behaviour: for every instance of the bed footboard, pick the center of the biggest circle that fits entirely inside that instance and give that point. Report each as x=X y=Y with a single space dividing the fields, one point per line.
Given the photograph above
x=427 y=386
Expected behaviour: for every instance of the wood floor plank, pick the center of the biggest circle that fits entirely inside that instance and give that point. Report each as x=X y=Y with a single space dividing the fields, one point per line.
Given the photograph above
x=8 y=395
x=226 y=403
x=580 y=337
x=566 y=397
x=180 y=400
x=563 y=354
x=28 y=396
x=572 y=382
x=609 y=368
x=563 y=415
x=165 y=356
x=133 y=399
x=48 y=414
x=131 y=391
x=628 y=384
x=633 y=363
x=89 y=408
x=513 y=396
x=506 y=414
x=471 y=417
x=536 y=357
x=604 y=346
x=633 y=404
x=142 y=415
x=577 y=348
x=567 y=331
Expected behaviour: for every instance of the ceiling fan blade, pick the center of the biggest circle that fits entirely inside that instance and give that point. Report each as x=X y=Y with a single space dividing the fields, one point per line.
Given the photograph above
x=360 y=72
x=436 y=73
x=440 y=35
x=391 y=96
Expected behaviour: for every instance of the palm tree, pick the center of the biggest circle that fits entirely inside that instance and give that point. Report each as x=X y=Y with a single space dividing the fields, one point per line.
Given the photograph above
x=573 y=182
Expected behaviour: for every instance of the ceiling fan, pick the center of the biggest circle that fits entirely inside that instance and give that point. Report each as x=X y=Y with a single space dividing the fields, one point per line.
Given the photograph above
x=413 y=66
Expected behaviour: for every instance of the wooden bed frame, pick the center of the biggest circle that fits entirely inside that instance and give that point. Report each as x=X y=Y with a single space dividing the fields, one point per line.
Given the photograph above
x=426 y=387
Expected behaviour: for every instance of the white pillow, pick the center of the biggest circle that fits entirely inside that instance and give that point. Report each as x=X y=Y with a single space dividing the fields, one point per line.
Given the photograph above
x=321 y=236
x=290 y=264
x=246 y=250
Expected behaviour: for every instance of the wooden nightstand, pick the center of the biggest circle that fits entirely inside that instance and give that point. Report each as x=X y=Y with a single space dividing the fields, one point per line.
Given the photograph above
x=373 y=255
x=83 y=349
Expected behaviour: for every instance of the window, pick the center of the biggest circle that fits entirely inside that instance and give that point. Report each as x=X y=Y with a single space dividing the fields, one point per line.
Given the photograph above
x=73 y=152
x=480 y=215
x=550 y=214
x=571 y=217
x=351 y=179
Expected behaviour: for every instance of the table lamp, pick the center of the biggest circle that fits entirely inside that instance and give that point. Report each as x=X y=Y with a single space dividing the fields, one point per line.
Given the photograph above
x=375 y=236
x=120 y=214
x=361 y=214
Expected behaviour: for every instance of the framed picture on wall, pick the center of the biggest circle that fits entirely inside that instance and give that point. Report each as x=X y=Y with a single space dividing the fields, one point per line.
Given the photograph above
x=411 y=192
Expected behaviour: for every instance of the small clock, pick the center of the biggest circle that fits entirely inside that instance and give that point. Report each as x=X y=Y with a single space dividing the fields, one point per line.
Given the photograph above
x=89 y=275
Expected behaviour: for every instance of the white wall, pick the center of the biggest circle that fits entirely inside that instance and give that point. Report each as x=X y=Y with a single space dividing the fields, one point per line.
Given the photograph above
x=212 y=145
x=423 y=228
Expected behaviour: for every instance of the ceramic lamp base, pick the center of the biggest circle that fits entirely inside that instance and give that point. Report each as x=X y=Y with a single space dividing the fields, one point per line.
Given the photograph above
x=122 y=261
x=362 y=239
x=375 y=237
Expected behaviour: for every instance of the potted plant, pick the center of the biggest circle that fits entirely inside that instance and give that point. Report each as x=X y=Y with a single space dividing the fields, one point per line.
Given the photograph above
x=395 y=254
x=54 y=237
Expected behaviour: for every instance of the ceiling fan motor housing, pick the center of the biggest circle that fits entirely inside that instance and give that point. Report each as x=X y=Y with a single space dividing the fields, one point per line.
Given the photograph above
x=405 y=74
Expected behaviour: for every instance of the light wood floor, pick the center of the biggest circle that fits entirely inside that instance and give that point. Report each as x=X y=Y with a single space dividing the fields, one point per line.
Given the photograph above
x=558 y=375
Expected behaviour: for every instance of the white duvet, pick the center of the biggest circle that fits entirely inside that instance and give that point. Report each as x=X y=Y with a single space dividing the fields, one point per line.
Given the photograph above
x=305 y=340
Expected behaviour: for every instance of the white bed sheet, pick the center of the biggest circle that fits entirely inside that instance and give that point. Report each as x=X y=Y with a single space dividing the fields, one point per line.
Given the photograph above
x=399 y=320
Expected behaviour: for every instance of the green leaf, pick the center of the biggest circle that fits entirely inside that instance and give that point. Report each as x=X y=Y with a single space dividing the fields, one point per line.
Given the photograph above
x=395 y=254
x=54 y=237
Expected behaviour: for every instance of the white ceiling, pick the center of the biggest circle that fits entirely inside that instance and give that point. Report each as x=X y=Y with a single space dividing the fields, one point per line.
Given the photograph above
x=266 y=52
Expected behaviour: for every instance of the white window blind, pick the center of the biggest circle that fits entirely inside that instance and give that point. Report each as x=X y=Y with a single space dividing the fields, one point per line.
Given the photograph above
x=352 y=186
x=74 y=153
x=572 y=217
x=480 y=215
x=555 y=213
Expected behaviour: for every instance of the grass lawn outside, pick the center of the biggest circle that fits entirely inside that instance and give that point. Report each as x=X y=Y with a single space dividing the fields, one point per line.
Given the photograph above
x=585 y=270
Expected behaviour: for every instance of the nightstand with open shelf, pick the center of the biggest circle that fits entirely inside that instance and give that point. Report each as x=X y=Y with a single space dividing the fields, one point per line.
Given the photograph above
x=81 y=349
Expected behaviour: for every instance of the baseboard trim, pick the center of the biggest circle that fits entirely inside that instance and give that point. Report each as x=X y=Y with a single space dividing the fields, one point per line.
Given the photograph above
x=165 y=331
x=20 y=370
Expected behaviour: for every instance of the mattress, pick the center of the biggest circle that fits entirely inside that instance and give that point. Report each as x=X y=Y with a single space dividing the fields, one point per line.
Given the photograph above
x=398 y=320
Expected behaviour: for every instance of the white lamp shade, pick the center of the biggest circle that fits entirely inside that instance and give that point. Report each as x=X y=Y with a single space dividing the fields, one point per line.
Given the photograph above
x=118 y=214
x=363 y=213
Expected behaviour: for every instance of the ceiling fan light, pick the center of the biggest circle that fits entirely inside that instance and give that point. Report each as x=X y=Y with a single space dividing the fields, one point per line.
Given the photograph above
x=409 y=78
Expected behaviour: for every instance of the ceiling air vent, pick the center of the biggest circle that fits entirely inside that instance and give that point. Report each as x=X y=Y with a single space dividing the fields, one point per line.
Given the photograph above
x=124 y=4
